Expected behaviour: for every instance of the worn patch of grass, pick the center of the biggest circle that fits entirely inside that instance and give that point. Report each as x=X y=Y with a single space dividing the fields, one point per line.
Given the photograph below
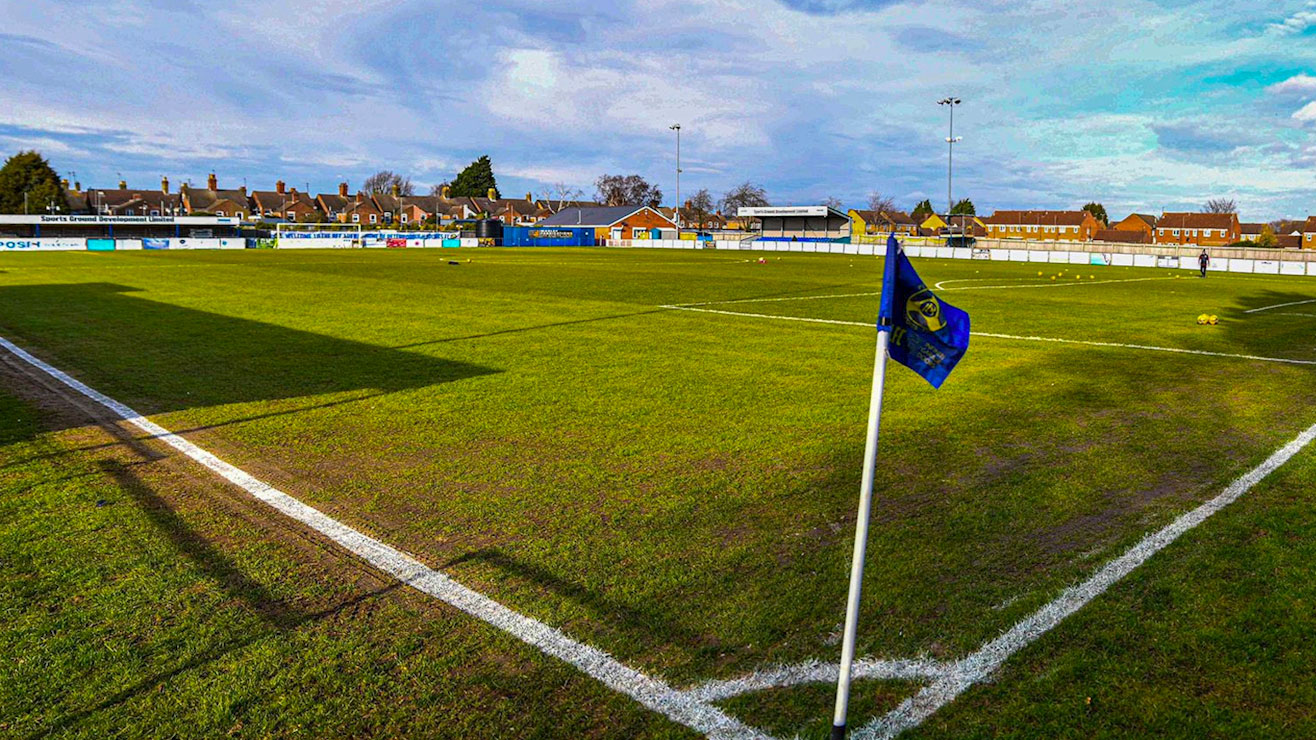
x=678 y=488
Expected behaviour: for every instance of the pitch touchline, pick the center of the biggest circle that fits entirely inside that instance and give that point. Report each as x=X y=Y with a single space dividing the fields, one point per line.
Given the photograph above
x=990 y=335
x=871 y=294
x=994 y=653
x=1280 y=305
x=676 y=705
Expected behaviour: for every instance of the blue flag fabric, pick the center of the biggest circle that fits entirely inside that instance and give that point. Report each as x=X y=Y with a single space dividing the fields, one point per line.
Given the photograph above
x=928 y=335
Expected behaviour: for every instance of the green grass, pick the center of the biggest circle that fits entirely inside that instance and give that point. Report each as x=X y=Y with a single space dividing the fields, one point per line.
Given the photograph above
x=674 y=487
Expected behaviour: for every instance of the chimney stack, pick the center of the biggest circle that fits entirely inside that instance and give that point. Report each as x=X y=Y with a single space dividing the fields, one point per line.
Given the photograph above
x=212 y=182
x=64 y=183
x=278 y=187
x=243 y=190
x=123 y=184
x=445 y=192
x=342 y=189
x=359 y=196
x=164 y=185
x=529 y=198
x=77 y=186
x=294 y=193
x=493 y=194
x=396 y=190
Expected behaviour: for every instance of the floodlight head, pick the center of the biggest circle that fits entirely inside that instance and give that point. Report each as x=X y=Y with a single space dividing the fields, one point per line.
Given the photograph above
x=675 y=127
x=949 y=101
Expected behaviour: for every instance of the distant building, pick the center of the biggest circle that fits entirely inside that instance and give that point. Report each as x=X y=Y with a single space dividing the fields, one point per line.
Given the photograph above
x=1140 y=222
x=878 y=223
x=1075 y=226
x=125 y=201
x=1308 y=235
x=612 y=222
x=1198 y=229
x=283 y=204
x=799 y=223
x=1123 y=236
x=332 y=205
x=215 y=202
x=1250 y=232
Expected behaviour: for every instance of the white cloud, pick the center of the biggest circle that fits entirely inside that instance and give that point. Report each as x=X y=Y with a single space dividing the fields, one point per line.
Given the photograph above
x=1303 y=84
x=1306 y=113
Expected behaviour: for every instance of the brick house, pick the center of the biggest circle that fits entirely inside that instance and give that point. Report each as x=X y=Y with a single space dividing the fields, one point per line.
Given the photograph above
x=362 y=210
x=1140 y=222
x=1123 y=236
x=1074 y=226
x=611 y=222
x=212 y=200
x=333 y=204
x=125 y=201
x=877 y=223
x=1308 y=236
x=282 y=203
x=1198 y=229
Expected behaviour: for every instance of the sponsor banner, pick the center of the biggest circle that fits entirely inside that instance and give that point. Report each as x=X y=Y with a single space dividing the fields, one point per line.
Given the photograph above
x=100 y=245
x=1267 y=267
x=1293 y=268
x=44 y=244
x=127 y=244
x=1171 y=262
x=1101 y=259
x=155 y=244
x=980 y=253
x=395 y=243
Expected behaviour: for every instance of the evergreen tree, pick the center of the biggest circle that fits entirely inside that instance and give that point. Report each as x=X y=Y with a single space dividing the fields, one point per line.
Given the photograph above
x=28 y=173
x=1098 y=211
x=922 y=210
x=476 y=180
x=964 y=207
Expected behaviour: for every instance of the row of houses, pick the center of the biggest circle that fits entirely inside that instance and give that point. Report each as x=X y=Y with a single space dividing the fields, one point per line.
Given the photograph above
x=287 y=204
x=1170 y=229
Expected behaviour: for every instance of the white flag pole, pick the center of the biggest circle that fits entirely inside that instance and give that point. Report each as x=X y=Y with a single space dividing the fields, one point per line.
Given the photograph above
x=865 y=509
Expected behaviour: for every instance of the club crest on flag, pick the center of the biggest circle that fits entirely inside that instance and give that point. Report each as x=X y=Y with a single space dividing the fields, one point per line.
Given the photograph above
x=928 y=335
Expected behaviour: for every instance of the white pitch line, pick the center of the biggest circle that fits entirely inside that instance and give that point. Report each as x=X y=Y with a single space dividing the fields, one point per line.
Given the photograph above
x=1280 y=305
x=994 y=653
x=938 y=286
x=818 y=672
x=650 y=692
x=1291 y=313
x=1015 y=337
x=1073 y=284
x=791 y=298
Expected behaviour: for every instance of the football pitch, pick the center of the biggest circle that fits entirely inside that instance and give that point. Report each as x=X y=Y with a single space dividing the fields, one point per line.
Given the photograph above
x=565 y=493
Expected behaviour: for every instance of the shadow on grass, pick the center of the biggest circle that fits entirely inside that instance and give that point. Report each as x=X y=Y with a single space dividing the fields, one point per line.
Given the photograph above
x=1280 y=330
x=277 y=615
x=623 y=617
x=168 y=358
x=530 y=328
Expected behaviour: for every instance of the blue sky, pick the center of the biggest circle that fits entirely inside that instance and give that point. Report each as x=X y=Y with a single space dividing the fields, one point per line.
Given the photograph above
x=1142 y=105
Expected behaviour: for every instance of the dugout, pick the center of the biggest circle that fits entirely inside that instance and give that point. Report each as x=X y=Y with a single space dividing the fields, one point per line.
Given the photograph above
x=799 y=223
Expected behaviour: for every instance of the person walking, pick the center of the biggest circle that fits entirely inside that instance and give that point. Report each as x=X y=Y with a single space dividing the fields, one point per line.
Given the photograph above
x=1203 y=261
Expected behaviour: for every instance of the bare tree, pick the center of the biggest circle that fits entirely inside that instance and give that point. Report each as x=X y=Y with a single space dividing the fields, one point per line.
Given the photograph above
x=833 y=202
x=560 y=195
x=1220 y=205
x=744 y=195
x=384 y=181
x=626 y=190
x=698 y=209
x=879 y=203
x=436 y=191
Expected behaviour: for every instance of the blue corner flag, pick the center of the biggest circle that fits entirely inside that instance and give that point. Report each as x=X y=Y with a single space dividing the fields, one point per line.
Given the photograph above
x=928 y=335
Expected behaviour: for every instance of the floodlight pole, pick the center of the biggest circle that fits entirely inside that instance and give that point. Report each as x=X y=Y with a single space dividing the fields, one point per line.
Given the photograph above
x=677 y=128
x=951 y=102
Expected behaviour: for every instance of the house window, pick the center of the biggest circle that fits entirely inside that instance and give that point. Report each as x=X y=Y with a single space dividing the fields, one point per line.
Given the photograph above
x=155 y=213
x=219 y=213
x=404 y=218
x=356 y=218
x=373 y=218
x=1176 y=232
x=292 y=215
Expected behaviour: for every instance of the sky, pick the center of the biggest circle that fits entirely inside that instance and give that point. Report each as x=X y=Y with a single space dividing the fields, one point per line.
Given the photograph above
x=1142 y=105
